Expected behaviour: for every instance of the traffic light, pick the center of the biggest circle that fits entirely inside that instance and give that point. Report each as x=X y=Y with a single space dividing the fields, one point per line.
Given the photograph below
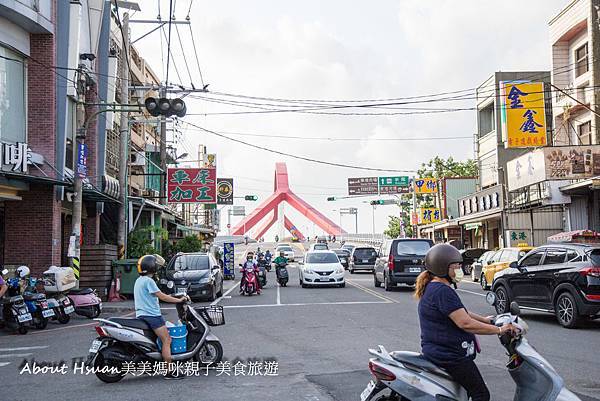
x=165 y=107
x=378 y=202
x=331 y=198
x=251 y=197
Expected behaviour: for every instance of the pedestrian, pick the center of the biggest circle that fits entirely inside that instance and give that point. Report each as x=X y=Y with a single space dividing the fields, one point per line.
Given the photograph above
x=447 y=328
x=147 y=308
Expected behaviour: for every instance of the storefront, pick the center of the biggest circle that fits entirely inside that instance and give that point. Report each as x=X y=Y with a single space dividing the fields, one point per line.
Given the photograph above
x=480 y=216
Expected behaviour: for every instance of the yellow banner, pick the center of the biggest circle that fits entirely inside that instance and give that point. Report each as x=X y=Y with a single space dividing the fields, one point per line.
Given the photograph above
x=429 y=215
x=425 y=185
x=524 y=115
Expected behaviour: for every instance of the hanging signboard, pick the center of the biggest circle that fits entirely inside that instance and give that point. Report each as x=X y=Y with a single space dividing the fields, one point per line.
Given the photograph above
x=523 y=114
x=429 y=215
x=82 y=154
x=363 y=186
x=192 y=185
x=425 y=185
x=225 y=191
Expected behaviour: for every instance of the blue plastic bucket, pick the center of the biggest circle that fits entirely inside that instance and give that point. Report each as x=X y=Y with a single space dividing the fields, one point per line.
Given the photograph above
x=178 y=339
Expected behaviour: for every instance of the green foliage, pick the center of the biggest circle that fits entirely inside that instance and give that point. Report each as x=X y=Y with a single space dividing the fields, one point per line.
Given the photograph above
x=440 y=168
x=140 y=243
x=190 y=243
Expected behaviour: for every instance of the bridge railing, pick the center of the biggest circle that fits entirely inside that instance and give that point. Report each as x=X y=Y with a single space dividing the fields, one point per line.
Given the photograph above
x=370 y=239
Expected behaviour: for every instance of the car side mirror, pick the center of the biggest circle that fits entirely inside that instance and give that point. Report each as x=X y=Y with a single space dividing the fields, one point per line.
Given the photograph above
x=514 y=265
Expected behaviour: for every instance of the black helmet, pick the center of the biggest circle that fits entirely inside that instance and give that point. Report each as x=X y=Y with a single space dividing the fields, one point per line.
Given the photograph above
x=439 y=257
x=149 y=264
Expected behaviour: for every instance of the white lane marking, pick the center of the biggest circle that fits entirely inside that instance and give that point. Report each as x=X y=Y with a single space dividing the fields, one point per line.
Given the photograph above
x=15 y=355
x=278 y=294
x=216 y=301
x=469 y=282
x=23 y=348
x=4 y=364
x=305 y=304
x=470 y=292
x=372 y=292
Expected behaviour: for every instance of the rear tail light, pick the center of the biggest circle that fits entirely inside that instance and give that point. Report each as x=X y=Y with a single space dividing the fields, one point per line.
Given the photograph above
x=101 y=331
x=590 y=271
x=44 y=304
x=391 y=262
x=381 y=373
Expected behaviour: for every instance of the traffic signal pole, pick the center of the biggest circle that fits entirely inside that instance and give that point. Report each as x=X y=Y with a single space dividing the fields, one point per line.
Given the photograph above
x=163 y=150
x=123 y=143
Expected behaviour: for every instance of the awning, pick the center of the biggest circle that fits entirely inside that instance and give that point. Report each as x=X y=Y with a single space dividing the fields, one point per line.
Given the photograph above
x=476 y=218
x=34 y=178
x=581 y=187
x=92 y=194
x=202 y=230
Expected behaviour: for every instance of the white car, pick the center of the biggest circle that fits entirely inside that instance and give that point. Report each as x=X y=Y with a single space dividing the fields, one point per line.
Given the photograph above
x=318 y=246
x=288 y=250
x=321 y=268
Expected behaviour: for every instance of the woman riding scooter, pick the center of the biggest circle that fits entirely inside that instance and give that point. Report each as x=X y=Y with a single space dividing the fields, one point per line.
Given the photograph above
x=249 y=266
x=447 y=328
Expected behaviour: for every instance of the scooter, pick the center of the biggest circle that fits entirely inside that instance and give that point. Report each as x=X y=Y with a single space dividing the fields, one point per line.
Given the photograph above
x=409 y=376
x=268 y=262
x=249 y=284
x=123 y=341
x=62 y=307
x=86 y=302
x=37 y=305
x=282 y=274
x=262 y=272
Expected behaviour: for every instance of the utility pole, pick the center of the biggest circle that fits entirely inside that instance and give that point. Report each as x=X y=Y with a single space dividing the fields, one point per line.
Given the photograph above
x=163 y=149
x=75 y=240
x=124 y=141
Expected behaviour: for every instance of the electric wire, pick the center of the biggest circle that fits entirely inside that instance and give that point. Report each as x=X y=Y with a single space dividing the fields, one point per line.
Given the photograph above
x=169 y=41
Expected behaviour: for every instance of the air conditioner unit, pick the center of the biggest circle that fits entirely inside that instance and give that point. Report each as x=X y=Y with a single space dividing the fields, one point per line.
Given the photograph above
x=137 y=159
x=151 y=193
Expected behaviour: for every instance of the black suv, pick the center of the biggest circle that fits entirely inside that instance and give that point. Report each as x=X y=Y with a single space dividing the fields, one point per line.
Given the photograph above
x=563 y=279
x=363 y=258
x=400 y=261
x=199 y=271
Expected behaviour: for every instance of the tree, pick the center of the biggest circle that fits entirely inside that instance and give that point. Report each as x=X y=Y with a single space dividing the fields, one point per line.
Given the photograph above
x=440 y=168
x=190 y=243
x=140 y=241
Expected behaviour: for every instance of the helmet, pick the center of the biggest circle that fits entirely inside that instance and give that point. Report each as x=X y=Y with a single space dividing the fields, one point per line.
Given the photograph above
x=149 y=263
x=22 y=271
x=439 y=257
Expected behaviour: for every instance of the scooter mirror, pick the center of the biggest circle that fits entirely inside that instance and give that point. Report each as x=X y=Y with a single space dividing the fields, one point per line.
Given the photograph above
x=490 y=298
x=514 y=308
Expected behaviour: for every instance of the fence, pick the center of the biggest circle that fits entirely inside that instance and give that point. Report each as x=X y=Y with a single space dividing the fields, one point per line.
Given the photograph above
x=376 y=240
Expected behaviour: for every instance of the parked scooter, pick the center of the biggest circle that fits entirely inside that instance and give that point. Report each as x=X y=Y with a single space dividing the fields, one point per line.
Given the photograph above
x=87 y=302
x=409 y=376
x=282 y=274
x=15 y=315
x=56 y=282
x=124 y=341
x=37 y=304
x=249 y=284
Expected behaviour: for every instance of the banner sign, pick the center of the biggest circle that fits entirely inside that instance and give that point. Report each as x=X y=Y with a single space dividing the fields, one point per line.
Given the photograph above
x=429 y=215
x=224 y=191
x=82 y=154
x=523 y=114
x=192 y=185
x=425 y=185
x=229 y=258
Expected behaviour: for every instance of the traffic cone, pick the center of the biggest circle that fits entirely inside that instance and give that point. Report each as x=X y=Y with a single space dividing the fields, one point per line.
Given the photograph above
x=115 y=286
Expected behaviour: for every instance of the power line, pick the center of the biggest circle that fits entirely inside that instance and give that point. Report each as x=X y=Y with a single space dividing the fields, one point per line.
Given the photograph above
x=169 y=41
x=184 y=57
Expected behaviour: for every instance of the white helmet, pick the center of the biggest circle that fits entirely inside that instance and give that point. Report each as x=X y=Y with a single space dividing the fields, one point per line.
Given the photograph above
x=22 y=271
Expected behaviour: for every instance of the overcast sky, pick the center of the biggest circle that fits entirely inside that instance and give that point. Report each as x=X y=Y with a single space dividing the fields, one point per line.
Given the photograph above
x=342 y=50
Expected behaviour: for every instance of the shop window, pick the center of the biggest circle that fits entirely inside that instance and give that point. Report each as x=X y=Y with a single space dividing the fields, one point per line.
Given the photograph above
x=13 y=108
x=581 y=58
x=584 y=131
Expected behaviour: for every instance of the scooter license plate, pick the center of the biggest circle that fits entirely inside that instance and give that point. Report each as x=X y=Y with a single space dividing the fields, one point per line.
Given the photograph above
x=69 y=309
x=181 y=290
x=24 y=317
x=48 y=313
x=95 y=346
x=366 y=394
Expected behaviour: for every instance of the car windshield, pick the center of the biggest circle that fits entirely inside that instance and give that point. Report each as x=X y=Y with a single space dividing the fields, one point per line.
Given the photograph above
x=321 y=257
x=284 y=249
x=413 y=247
x=341 y=252
x=365 y=252
x=192 y=262
x=594 y=256
x=320 y=247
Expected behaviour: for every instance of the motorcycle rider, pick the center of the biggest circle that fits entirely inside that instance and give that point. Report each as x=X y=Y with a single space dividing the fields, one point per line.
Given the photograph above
x=146 y=295
x=280 y=260
x=268 y=256
x=249 y=265
x=447 y=328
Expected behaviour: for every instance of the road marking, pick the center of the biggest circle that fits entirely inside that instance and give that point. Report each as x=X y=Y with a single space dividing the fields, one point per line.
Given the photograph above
x=470 y=292
x=23 y=348
x=369 y=291
x=4 y=364
x=216 y=301
x=15 y=355
x=76 y=325
x=305 y=304
x=469 y=282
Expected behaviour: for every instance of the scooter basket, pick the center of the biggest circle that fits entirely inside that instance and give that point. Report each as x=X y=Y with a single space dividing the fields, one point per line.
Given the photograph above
x=178 y=339
x=212 y=315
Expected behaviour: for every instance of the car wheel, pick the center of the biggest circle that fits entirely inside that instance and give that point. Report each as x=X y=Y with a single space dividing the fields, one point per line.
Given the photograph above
x=474 y=277
x=566 y=311
x=502 y=300
x=386 y=283
x=213 y=294
x=483 y=282
x=375 y=281
x=351 y=271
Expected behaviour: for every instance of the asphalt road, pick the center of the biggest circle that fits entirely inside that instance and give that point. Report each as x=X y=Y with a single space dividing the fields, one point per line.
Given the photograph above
x=318 y=336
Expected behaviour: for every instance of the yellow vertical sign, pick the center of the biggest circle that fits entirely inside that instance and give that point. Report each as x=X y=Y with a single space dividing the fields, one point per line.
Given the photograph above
x=429 y=215
x=523 y=114
x=425 y=185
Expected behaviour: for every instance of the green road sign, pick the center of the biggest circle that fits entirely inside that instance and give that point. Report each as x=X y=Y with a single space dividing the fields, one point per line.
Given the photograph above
x=399 y=181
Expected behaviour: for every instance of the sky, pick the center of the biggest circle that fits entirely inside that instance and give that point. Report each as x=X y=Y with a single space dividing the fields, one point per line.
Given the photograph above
x=339 y=50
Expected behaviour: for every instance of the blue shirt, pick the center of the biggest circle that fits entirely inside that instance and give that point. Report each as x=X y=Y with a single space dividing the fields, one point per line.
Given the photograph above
x=146 y=302
x=442 y=341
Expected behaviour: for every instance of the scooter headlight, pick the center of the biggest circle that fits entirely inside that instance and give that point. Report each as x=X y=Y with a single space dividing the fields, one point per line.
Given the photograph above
x=170 y=284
